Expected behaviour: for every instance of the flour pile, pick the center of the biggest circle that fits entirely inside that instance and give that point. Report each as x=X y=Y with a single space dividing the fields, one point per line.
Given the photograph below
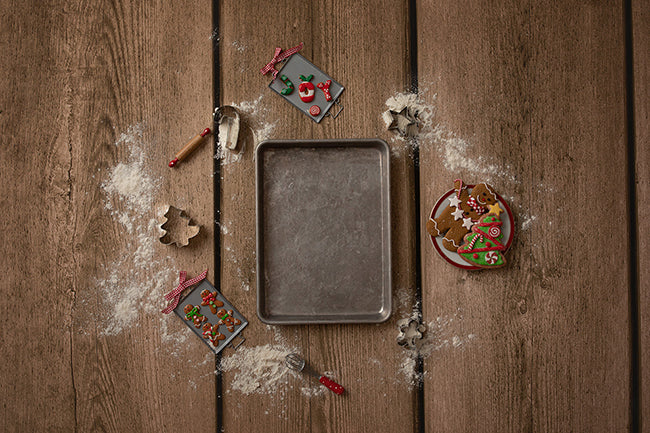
x=254 y=116
x=141 y=273
x=258 y=369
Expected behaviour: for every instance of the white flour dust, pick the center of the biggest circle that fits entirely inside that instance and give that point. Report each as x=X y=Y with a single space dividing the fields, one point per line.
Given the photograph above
x=455 y=152
x=258 y=369
x=254 y=117
x=134 y=282
x=441 y=334
x=255 y=112
x=526 y=221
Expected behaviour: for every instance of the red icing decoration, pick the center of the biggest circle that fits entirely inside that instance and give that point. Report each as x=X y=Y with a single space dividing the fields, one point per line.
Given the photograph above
x=314 y=110
x=475 y=255
x=326 y=89
x=306 y=90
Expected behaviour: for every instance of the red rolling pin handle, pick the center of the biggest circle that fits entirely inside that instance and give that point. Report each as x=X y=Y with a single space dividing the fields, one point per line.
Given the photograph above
x=333 y=386
x=189 y=147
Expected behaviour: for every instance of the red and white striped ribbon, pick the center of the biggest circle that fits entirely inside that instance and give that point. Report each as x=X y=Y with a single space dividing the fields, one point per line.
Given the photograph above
x=278 y=57
x=175 y=295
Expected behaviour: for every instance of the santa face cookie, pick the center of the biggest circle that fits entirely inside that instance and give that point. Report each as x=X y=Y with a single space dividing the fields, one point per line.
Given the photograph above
x=463 y=210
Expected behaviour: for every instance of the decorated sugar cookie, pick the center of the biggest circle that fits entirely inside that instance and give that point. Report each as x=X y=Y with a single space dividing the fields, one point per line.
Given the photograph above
x=483 y=247
x=456 y=218
x=306 y=90
x=463 y=209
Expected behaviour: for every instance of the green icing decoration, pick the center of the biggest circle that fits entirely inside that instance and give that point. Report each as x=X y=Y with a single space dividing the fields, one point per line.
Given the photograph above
x=289 y=84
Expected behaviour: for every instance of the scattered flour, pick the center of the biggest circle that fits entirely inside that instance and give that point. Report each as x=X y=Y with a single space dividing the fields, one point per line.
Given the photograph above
x=133 y=283
x=238 y=46
x=455 y=152
x=526 y=221
x=258 y=369
x=255 y=112
x=253 y=115
x=440 y=334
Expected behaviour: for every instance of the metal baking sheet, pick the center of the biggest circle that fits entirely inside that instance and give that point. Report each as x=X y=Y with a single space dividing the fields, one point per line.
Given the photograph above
x=323 y=231
x=297 y=65
x=194 y=298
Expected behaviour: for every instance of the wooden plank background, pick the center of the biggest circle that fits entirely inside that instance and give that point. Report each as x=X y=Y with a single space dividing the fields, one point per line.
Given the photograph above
x=530 y=96
x=640 y=68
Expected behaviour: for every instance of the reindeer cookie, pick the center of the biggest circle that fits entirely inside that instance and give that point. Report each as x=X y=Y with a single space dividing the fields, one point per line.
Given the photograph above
x=227 y=319
x=192 y=313
x=463 y=211
x=210 y=299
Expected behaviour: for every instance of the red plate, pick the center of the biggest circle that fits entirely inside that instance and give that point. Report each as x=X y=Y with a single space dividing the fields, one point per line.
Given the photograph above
x=453 y=257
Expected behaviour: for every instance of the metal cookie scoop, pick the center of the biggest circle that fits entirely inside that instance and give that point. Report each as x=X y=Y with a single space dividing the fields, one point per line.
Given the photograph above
x=295 y=362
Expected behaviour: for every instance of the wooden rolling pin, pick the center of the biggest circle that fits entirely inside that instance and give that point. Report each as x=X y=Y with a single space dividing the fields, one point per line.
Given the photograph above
x=189 y=147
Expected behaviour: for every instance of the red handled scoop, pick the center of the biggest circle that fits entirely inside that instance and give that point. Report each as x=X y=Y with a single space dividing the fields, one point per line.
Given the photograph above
x=295 y=362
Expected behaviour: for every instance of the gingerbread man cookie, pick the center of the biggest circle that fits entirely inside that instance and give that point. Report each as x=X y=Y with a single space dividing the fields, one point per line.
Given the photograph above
x=212 y=333
x=227 y=319
x=192 y=313
x=463 y=211
x=210 y=298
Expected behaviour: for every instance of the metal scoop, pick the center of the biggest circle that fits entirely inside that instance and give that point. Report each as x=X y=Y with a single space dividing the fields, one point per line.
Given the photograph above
x=295 y=362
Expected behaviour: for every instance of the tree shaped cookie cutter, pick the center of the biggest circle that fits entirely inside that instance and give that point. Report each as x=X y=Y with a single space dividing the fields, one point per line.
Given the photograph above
x=178 y=228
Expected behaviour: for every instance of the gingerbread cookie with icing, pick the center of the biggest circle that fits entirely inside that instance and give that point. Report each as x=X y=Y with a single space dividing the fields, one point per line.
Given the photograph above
x=192 y=313
x=210 y=299
x=462 y=212
x=211 y=332
x=226 y=318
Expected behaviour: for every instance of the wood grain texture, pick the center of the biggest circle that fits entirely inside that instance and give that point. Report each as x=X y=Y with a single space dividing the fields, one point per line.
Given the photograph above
x=79 y=79
x=535 y=92
x=641 y=67
x=350 y=42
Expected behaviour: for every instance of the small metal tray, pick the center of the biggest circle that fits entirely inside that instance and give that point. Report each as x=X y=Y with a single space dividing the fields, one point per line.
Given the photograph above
x=194 y=298
x=323 y=231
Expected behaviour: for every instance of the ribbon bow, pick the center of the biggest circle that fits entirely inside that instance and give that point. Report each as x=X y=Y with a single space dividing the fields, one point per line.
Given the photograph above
x=278 y=57
x=175 y=295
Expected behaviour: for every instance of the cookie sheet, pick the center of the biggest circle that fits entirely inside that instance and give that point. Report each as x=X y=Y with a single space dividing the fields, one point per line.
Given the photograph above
x=323 y=231
x=194 y=298
x=297 y=65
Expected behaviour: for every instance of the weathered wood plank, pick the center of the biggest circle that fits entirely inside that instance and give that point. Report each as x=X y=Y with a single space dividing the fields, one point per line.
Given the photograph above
x=348 y=42
x=534 y=95
x=641 y=40
x=364 y=45
x=249 y=33
x=38 y=284
x=84 y=86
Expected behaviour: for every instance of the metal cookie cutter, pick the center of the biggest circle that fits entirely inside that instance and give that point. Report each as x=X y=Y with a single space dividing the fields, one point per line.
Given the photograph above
x=411 y=332
x=178 y=228
x=228 y=119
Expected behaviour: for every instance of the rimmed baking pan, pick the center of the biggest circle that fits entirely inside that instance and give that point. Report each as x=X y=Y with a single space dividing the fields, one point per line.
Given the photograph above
x=323 y=231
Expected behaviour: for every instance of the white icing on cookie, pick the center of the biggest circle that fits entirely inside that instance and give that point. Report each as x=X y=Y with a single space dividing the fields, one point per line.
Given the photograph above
x=435 y=226
x=451 y=240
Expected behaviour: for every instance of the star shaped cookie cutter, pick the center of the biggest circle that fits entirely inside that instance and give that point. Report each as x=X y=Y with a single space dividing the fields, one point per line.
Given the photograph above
x=404 y=122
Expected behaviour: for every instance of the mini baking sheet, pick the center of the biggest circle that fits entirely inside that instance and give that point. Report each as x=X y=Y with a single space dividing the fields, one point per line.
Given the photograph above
x=323 y=231
x=295 y=66
x=194 y=298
